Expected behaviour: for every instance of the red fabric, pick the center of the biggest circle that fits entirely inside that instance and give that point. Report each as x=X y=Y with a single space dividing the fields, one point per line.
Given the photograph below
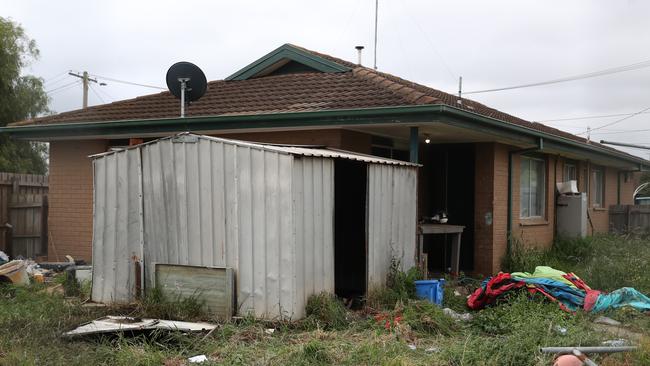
x=495 y=287
x=590 y=299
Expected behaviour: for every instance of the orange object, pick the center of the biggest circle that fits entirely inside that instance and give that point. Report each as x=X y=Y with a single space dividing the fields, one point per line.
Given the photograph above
x=38 y=277
x=567 y=360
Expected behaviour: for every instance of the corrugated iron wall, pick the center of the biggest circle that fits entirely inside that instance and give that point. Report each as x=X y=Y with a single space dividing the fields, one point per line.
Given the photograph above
x=117 y=228
x=313 y=192
x=392 y=219
x=267 y=214
x=217 y=204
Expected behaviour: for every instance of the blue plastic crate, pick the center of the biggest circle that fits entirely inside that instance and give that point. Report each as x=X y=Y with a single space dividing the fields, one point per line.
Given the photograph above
x=431 y=290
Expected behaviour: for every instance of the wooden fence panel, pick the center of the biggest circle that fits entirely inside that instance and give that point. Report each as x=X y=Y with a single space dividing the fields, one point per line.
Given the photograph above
x=17 y=184
x=629 y=218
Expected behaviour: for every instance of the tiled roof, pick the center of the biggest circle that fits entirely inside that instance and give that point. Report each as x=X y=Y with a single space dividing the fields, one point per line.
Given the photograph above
x=361 y=87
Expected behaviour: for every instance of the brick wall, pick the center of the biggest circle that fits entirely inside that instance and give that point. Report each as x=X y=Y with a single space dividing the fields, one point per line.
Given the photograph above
x=70 y=219
x=491 y=207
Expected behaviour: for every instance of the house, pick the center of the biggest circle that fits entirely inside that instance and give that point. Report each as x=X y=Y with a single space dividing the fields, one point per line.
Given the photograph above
x=290 y=221
x=492 y=172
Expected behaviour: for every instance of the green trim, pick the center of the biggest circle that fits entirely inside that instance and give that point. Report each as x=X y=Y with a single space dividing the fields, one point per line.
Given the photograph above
x=341 y=117
x=287 y=52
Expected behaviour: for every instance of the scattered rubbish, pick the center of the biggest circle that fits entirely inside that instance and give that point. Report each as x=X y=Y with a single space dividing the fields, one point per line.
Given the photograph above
x=198 y=359
x=412 y=347
x=4 y=258
x=560 y=330
x=465 y=317
x=83 y=273
x=432 y=349
x=616 y=343
x=569 y=350
x=431 y=290
x=567 y=289
x=14 y=272
x=576 y=358
x=567 y=360
x=121 y=324
x=607 y=321
x=269 y=331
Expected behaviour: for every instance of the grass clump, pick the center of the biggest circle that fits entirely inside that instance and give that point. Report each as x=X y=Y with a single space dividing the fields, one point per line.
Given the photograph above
x=400 y=287
x=156 y=304
x=427 y=318
x=326 y=311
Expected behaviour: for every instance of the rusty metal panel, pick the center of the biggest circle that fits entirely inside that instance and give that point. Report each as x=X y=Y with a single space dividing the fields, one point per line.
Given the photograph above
x=392 y=219
x=117 y=226
x=213 y=286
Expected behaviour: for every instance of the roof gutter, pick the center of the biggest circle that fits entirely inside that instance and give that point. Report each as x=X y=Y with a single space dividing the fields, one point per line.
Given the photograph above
x=314 y=119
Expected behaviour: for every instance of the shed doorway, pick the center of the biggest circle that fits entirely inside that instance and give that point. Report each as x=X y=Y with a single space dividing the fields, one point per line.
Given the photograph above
x=350 y=249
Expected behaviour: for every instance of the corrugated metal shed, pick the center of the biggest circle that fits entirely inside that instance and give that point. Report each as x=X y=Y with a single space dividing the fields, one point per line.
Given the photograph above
x=266 y=211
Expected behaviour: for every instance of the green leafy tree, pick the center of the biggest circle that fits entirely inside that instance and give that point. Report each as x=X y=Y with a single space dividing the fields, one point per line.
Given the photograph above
x=21 y=97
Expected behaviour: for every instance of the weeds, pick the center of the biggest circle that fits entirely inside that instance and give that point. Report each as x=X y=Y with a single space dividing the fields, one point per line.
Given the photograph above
x=156 y=305
x=326 y=311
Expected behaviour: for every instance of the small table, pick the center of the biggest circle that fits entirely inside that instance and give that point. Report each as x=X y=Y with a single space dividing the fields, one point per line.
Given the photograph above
x=457 y=230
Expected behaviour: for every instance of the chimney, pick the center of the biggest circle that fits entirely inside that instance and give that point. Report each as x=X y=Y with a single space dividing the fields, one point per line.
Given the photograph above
x=359 y=49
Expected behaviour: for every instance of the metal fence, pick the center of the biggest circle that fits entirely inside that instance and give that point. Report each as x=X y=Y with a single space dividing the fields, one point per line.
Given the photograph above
x=23 y=214
x=629 y=218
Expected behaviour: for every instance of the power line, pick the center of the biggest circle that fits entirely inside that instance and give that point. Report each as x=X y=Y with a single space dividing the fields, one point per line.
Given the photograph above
x=589 y=117
x=613 y=70
x=431 y=45
x=615 y=122
x=129 y=82
x=63 y=86
x=96 y=94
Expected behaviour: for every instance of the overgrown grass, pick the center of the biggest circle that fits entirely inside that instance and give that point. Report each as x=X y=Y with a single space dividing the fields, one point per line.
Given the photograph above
x=605 y=262
x=510 y=333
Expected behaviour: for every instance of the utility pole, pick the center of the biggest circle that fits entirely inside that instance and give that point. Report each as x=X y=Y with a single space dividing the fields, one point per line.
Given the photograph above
x=85 y=79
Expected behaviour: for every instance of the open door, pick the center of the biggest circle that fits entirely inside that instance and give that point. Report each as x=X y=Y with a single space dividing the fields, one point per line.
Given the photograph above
x=350 y=247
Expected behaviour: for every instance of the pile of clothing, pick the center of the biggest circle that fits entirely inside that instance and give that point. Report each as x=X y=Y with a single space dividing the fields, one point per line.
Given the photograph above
x=567 y=289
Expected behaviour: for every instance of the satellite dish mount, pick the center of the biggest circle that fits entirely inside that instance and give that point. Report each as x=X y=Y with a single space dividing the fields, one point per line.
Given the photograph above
x=186 y=82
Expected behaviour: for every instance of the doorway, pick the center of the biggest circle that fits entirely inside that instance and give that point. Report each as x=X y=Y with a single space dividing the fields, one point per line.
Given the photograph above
x=350 y=248
x=449 y=180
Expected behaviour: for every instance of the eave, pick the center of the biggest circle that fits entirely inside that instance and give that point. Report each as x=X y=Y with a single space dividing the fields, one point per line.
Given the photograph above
x=406 y=115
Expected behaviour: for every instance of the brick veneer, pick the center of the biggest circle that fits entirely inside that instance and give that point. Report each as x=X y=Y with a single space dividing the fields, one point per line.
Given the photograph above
x=70 y=219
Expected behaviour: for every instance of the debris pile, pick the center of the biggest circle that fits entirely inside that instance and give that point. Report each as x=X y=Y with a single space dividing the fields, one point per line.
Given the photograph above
x=568 y=290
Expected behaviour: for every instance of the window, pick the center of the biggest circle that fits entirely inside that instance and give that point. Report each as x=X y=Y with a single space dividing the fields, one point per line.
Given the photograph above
x=532 y=187
x=570 y=172
x=597 y=188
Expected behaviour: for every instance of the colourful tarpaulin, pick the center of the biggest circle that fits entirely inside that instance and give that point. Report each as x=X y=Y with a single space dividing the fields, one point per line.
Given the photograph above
x=567 y=289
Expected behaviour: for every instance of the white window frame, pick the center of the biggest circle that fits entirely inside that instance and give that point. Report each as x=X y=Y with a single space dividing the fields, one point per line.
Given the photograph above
x=597 y=193
x=542 y=209
x=570 y=166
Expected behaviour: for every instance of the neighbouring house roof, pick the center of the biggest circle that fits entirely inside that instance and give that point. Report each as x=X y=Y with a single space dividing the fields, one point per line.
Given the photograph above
x=322 y=83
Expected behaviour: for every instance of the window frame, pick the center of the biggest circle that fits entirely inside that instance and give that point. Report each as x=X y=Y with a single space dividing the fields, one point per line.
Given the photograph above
x=574 y=166
x=543 y=189
x=593 y=192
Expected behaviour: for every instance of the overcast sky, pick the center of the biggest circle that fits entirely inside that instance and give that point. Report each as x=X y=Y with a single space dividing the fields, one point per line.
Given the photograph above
x=490 y=44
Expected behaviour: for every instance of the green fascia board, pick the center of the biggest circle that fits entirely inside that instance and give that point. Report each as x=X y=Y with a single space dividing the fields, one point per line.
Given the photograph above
x=290 y=52
x=343 y=117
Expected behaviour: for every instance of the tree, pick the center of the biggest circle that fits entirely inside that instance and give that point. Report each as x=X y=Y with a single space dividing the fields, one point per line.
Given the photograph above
x=21 y=97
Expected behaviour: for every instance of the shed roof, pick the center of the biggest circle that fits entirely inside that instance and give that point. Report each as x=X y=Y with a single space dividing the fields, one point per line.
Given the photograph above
x=282 y=149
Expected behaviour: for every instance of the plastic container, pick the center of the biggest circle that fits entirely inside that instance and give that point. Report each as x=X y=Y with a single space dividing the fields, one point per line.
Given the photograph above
x=431 y=290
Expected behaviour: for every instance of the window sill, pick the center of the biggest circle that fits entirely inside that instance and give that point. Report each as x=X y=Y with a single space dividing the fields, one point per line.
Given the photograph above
x=599 y=208
x=532 y=222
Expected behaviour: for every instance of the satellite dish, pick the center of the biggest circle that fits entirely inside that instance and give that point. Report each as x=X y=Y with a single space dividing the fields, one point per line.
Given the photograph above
x=187 y=82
